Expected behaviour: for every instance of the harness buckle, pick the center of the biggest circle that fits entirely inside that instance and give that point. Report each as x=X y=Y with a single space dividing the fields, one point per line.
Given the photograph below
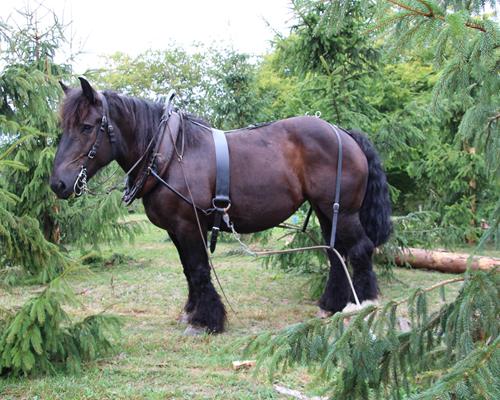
x=92 y=153
x=221 y=204
x=336 y=207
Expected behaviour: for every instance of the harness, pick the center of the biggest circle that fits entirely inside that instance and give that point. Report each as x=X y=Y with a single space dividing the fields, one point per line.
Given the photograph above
x=153 y=157
x=221 y=202
x=155 y=164
x=174 y=123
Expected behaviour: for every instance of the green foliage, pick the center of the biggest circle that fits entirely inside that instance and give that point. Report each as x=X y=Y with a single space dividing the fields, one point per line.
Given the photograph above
x=212 y=83
x=18 y=234
x=451 y=353
x=465 y=41
x=230 y=91
x=153 y=74
x=40 y=337
x=330 y=61
x=29 y=131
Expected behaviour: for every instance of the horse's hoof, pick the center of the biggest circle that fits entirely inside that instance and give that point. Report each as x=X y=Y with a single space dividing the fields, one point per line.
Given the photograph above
x=183 y=318
x=323 y=314
x=192 y=330
x=350 y=307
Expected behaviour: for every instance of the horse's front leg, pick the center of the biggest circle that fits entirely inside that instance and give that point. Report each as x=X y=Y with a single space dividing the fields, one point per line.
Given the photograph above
x=204 y=308
x=191 y=300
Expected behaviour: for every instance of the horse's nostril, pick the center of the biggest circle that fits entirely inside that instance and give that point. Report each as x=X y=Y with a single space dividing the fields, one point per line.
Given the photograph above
x=58 y=186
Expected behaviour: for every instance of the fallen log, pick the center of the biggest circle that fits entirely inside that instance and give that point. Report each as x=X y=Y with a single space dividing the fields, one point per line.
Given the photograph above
x=444 y=261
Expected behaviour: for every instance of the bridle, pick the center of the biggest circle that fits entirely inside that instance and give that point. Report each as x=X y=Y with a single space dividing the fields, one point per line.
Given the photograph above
x=148 y=158
x=80 y=185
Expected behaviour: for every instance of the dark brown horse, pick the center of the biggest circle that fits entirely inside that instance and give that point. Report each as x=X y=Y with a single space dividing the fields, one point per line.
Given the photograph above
x=274 y=169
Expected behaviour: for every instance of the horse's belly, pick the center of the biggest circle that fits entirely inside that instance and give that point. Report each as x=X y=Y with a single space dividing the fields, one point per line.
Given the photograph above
x=257 y=207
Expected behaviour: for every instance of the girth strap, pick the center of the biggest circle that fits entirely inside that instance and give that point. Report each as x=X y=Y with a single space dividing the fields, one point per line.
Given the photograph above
x=221 y=202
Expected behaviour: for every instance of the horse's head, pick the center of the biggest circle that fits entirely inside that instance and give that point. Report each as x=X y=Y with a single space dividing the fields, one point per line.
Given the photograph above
x=86 y=143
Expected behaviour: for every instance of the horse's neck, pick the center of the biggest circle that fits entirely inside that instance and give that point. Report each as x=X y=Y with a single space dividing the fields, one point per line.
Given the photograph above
x=133 y=123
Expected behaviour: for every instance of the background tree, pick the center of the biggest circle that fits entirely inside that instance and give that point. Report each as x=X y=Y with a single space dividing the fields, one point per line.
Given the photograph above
x=215 y=84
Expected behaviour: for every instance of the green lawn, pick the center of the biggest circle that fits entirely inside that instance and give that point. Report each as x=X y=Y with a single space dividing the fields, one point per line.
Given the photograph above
x=153 y=359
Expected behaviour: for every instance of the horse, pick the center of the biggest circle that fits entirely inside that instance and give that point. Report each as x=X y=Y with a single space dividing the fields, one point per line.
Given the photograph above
x=274 y=169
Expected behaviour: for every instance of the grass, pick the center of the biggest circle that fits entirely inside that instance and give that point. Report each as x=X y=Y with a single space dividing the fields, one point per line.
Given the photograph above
x=153 y=359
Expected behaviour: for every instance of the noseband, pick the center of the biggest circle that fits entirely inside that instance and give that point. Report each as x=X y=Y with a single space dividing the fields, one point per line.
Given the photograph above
x=80 y=185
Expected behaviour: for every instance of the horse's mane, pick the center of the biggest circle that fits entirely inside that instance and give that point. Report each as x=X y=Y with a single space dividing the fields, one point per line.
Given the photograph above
x=143 y=115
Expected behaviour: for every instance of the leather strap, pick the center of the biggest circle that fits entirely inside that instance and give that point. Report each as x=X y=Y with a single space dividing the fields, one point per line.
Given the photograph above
x=221 y=202
x=336 y=204
x=159 y=157
x=221 y=199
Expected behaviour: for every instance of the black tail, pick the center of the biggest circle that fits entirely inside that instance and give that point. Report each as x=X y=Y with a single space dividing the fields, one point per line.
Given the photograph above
x=375 y=213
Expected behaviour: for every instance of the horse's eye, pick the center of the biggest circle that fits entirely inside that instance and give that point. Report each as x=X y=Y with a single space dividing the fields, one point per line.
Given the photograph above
x=86 y=128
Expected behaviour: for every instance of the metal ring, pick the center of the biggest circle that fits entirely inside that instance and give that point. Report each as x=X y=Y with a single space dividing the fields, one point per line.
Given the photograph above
x=221 y=208
x=80 y=185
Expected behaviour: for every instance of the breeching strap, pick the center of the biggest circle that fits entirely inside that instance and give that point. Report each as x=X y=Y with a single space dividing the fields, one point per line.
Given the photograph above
x=336 y=205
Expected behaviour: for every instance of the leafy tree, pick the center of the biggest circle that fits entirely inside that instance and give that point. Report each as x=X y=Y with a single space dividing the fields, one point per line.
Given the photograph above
x=331 y=58
x=465 y=42
x=154 y=73
x=231 y=90
x=215 y=84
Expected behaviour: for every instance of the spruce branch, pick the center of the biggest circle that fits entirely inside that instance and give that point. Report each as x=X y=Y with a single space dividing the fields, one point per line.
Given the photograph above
x=430 y=13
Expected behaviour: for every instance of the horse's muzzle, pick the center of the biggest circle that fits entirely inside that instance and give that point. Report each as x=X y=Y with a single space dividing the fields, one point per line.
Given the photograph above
x=61 y=190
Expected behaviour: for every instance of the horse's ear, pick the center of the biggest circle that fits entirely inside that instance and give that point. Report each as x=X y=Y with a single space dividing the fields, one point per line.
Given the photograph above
x=65 y=88
x=88 y=91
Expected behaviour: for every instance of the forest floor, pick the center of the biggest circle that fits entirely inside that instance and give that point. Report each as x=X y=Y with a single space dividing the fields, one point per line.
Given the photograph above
x=153 y=359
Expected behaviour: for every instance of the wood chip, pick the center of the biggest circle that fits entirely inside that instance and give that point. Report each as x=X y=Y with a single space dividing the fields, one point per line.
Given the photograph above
x=244 y=364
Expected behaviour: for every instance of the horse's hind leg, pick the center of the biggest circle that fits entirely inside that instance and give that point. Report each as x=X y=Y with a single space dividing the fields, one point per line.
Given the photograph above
x=359 y=254
x=336 y=293
x=351 y=241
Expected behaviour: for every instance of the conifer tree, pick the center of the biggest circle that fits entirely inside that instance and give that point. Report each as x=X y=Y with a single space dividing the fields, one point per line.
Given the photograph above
x=453 y=353
x=39 y=336
x=29 y=97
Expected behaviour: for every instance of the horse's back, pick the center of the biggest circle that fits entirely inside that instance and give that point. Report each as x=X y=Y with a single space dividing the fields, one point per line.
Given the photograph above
x=276 y=167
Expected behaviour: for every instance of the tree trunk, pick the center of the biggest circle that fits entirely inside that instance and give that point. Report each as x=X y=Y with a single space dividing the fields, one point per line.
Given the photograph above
x=444 y=261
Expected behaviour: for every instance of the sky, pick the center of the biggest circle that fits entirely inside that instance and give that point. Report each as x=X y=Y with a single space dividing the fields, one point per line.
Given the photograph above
x=99 y=27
